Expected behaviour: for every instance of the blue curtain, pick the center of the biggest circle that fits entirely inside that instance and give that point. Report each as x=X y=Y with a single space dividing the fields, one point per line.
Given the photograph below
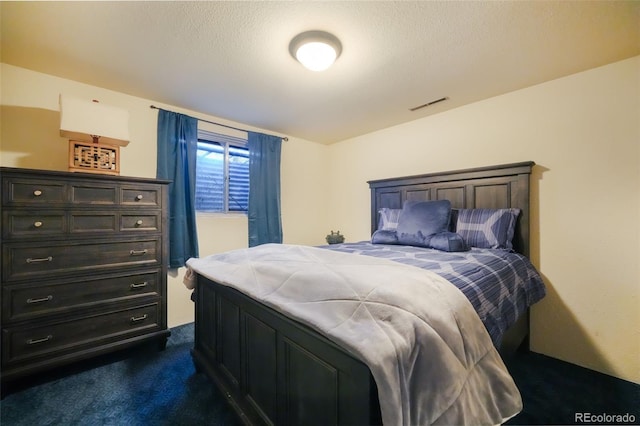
x=177 y=149
x=265 y=223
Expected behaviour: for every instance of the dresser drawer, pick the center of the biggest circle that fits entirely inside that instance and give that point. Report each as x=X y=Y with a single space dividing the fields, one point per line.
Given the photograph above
x=140 y=222
x=42 y=259
x=23 y=224
x=141 y=196
x=26 y=301
x=21 y=190
x=26 y=223
x=90 y=222
x=56 y=338
x=93 y=194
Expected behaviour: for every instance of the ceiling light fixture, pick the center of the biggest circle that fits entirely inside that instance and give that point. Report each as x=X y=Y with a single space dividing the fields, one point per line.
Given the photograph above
x=315 y=50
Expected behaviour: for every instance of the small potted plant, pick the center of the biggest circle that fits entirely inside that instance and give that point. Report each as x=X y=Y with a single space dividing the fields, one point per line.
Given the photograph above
x=335 y=238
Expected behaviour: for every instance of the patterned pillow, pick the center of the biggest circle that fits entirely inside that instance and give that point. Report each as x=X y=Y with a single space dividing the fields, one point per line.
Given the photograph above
x=388 y=219
x=487 y=228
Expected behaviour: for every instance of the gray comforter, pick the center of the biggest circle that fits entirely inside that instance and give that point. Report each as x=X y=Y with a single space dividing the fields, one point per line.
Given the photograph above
x=501 y=285
x=431 y=356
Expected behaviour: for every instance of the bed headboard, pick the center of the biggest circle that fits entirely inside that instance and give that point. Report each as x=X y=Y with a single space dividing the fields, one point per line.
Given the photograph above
x=502 y=186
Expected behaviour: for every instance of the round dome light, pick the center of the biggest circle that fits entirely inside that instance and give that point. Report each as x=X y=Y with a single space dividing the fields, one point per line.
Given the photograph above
x=315 y=50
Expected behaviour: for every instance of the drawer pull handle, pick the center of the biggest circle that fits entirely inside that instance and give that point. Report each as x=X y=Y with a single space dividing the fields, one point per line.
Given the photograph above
x=37 y=193
x=138 y=319
x=41 y=340
x=138 y=222
x=40 y=300
x=138 y=252
x=139 y=285
x=42 y=259
x=138 y=197
x=37 y=224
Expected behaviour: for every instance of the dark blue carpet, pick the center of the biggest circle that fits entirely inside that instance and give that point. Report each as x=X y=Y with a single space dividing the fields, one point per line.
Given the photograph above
x=148 y=387
x=555 y=392
x=145 y=387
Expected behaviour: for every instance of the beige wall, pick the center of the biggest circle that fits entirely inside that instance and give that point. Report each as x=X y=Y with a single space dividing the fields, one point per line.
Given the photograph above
x=29 y=137
x=583 y=131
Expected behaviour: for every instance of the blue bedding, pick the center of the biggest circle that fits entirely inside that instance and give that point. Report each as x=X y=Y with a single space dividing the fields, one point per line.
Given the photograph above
x=501 y=285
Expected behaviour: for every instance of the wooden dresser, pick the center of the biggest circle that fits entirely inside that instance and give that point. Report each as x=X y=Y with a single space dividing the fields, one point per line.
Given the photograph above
x=83 y=267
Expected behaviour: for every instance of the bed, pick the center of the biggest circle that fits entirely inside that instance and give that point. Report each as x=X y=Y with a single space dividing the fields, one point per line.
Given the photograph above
x=276 y=368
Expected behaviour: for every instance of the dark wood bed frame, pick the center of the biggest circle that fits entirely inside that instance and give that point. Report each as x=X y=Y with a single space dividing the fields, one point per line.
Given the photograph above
x=274 y=370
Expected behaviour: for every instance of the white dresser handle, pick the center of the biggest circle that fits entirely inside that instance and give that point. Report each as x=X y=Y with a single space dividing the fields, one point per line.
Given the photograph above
x=40 y=300
x=139 y=285
x=139 y=222
x=138 y=319
x=37 y=224
x=138 y=197
x=37 y=193
x=42 y=259
x=41 y=340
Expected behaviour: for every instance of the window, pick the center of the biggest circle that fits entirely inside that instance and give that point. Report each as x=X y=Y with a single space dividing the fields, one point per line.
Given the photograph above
x=222 y=174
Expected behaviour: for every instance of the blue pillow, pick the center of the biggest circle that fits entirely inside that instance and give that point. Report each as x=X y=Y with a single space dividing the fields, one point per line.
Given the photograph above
x=382 y=236
x=443 y=241
x=388 y=219
x=419 y=220
x=447 y=241
x=487 y=228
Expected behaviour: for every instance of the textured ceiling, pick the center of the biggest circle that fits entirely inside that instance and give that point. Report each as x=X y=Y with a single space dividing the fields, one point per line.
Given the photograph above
x=231 y=59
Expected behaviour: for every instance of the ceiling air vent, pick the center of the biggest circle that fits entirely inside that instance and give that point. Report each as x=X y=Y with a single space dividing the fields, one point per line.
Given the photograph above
x=428 y=104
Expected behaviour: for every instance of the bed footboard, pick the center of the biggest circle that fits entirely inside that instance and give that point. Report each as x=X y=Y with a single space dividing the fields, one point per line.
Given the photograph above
x=274 y=370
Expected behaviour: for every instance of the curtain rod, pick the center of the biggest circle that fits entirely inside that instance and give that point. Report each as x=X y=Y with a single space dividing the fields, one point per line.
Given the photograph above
x=284 y=138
